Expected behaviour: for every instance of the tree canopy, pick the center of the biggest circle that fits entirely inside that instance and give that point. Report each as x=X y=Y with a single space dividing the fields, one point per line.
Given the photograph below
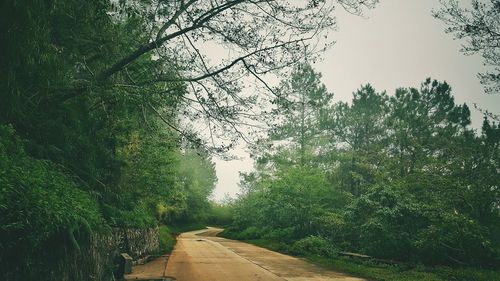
x=479 y=26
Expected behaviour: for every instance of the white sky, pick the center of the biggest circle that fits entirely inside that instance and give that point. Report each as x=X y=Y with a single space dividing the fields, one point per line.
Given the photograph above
x=398 y=44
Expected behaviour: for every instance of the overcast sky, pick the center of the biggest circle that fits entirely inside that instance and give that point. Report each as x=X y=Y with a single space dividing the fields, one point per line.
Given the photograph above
x=398 y=44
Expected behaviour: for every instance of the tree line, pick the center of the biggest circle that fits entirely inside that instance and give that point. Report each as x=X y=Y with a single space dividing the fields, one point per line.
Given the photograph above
x=402 y=177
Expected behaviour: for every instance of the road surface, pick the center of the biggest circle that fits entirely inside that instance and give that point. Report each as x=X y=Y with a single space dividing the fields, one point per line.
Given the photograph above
x=200 y=256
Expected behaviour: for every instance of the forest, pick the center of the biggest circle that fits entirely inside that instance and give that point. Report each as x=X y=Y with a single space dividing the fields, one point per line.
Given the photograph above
x=111 y=113
x=108 y=157
x=402 y=177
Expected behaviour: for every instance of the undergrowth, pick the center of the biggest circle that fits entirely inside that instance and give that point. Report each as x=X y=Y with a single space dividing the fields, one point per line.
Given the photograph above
x=316 y=251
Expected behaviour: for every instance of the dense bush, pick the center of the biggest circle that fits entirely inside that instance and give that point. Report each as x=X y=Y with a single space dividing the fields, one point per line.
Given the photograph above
x=313 y=245
x=167 y=240
x=38 y=199
x=40 y=204
x=220 y=214
x=251 y=232
x=286 y=234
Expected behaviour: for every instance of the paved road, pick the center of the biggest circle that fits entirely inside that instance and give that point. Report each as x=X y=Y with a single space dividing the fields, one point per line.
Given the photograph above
x=199 y=256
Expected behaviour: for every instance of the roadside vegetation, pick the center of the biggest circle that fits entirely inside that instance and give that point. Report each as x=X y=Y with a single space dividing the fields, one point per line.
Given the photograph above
x=168 y=234
x=400 y=177
x=102 y=159
x=323 y=255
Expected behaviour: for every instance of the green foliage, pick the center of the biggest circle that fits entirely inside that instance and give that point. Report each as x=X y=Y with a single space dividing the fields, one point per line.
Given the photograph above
x=278 y=234
x=249 y=233
x=300 y=106
x=38 y=201
x=404 y=272
x=330 y=224
x=220 y=214
x=400 y=177
x=167 y=240
x=79 y=153
x=375 y=271
x=382 y=223
x=196 y=174
x=289 y=204
x=381 y=271
x=312 y=245
x=185 y=227
x=38 y=198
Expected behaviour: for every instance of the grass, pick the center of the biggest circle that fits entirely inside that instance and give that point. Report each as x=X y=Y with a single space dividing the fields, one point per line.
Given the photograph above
x=168 y=234
x=406 y=272
x=375 y=271
x=167 y=240
x=180 y=228
x=384 y=272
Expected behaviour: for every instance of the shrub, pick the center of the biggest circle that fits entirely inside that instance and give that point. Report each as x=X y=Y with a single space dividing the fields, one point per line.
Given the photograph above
x=41 y=207
x=220 y=215
x=37 y=199
x=330 y=225
x=284 y=235
x=313 y=245
x=249 y=233
x=167 y=240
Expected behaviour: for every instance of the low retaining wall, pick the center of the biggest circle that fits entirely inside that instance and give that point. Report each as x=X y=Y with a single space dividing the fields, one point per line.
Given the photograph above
x=138 y=242
x=94 y=261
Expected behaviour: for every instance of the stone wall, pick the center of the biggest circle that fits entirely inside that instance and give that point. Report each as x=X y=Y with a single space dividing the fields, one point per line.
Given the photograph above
x=138 y=242
x=95 y=260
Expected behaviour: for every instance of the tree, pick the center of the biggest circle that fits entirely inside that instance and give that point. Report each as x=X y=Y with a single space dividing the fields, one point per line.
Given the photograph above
x=480 y=26
x=360 y=124
x=357 y=133
x=254 y=38
x=244 y=25
x=125 y=48
x=302 y=102
x=422 y=123
x=289 y=204
x=196 y=173
x=109 y=157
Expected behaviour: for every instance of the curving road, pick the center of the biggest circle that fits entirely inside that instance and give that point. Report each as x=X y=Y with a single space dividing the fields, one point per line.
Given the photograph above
x=200 y=256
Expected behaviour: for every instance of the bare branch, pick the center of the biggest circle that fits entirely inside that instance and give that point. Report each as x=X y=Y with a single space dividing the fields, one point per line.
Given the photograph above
x=183 y=7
